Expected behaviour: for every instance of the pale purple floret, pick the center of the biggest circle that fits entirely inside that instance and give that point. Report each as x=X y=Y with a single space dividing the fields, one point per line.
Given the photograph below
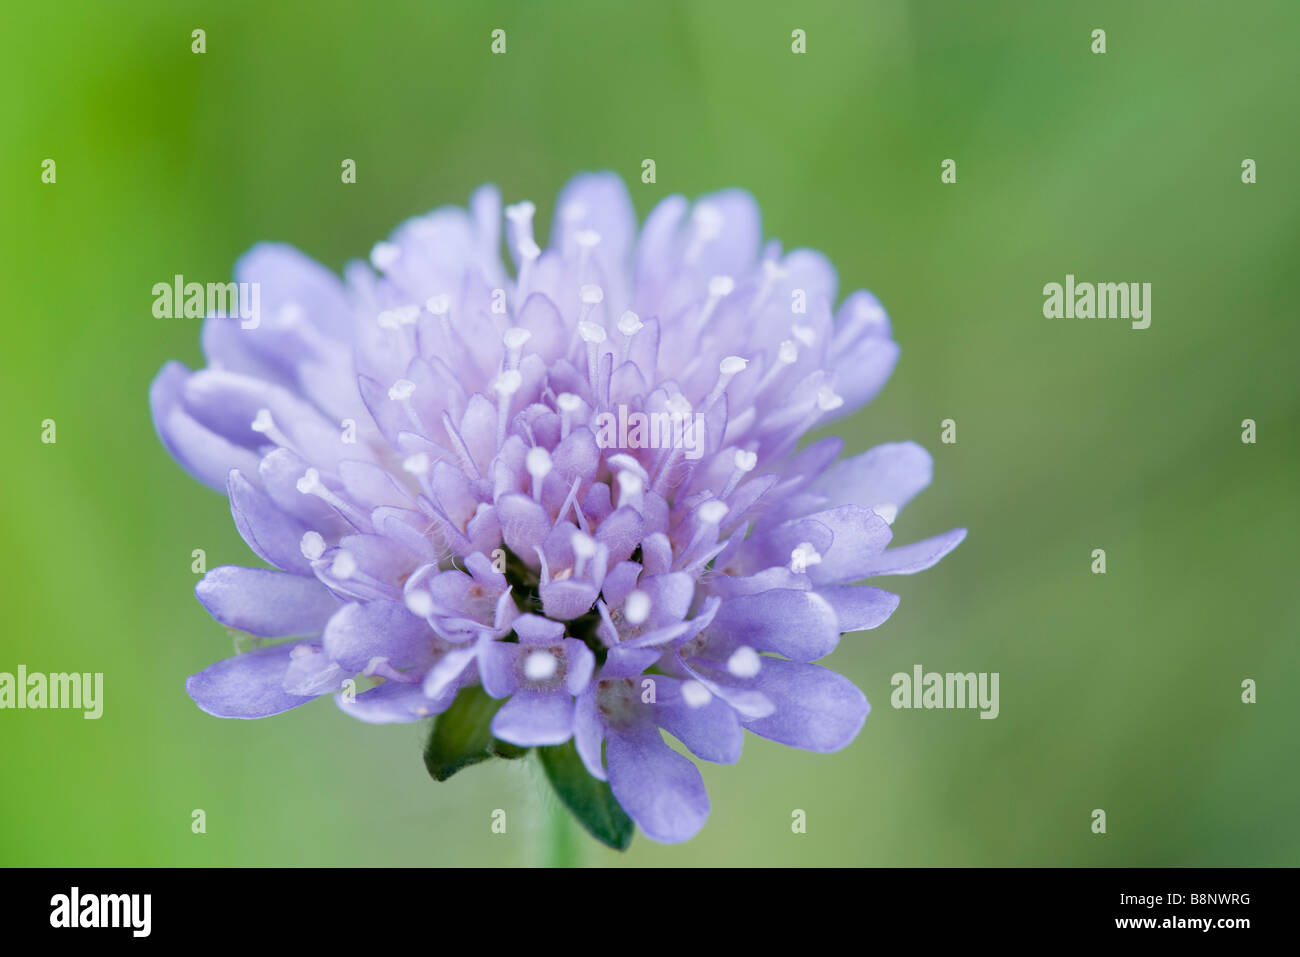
x=419 y=451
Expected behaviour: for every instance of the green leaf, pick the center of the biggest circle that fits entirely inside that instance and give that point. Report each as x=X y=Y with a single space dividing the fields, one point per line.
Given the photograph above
x=504 y=749
x=462 y=735
x=591 y=801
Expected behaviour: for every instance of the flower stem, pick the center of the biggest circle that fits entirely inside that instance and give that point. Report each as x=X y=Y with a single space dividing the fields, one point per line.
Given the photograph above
x=563 y=842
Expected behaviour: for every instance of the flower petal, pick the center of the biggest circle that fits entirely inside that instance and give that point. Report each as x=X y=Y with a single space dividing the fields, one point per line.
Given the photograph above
x=589 y=732
x=250 y=685
x=360 y=632
x=711 y=731
x=917 y=557
x=266 y=603
x=800 y=625
x=393 y=702
x=860 y=535
x=530 y=719
x=728 y=227
x=816 y=709
x=275 y=536
x=568 y=599
x=450 y=672
x=861 y=373
x=659 y=789
x=524 y=525
x=201 y=452
x=859 y=607
x=890 y=474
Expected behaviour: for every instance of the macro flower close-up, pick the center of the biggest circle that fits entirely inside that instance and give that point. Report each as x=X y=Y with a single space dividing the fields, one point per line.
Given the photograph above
x=627 y=438
x=553 y=496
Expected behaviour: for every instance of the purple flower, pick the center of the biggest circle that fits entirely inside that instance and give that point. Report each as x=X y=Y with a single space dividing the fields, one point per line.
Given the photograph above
x=569 y=487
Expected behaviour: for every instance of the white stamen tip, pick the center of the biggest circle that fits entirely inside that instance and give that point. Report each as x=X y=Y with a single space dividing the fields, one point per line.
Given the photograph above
x=591 y=332
x=439 y=305
x=774 y=270
x=521 y=212
x=568 y=402
x=262 y=422
x=629 y=483
x=708 y=220
x=384 y=255
x=309 y=482
x=636 y=608
x=744 y=662
x=629 y=323
x=827 y=400
x=732 y=365
x=516 y=338
x=695 y=694
x=713 y=511
x=678 y=404
x=417 y=464
x=538 y=462
x=508 y=382
x=312 y=546
x=345 y=565
x=745 y=460
x=804 y=334
x=621 y=460
x=420 y=602
x=588 y=238
x=591 y=294
x=887 y=512
x=529 y=249
x=802 y=556
x=584 y=546
x=720 y=286
x=788 y=352
x=540 y=666
x=401 y=389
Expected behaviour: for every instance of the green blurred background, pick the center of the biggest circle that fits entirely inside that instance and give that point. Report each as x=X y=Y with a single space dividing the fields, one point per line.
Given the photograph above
x=1119 y=692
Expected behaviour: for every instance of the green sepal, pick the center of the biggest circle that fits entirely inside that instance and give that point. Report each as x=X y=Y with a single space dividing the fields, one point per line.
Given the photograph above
x=589 y=800
x=462 y=735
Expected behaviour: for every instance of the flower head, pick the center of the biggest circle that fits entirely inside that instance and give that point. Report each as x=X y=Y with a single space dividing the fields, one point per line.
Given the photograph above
x=571 y=485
